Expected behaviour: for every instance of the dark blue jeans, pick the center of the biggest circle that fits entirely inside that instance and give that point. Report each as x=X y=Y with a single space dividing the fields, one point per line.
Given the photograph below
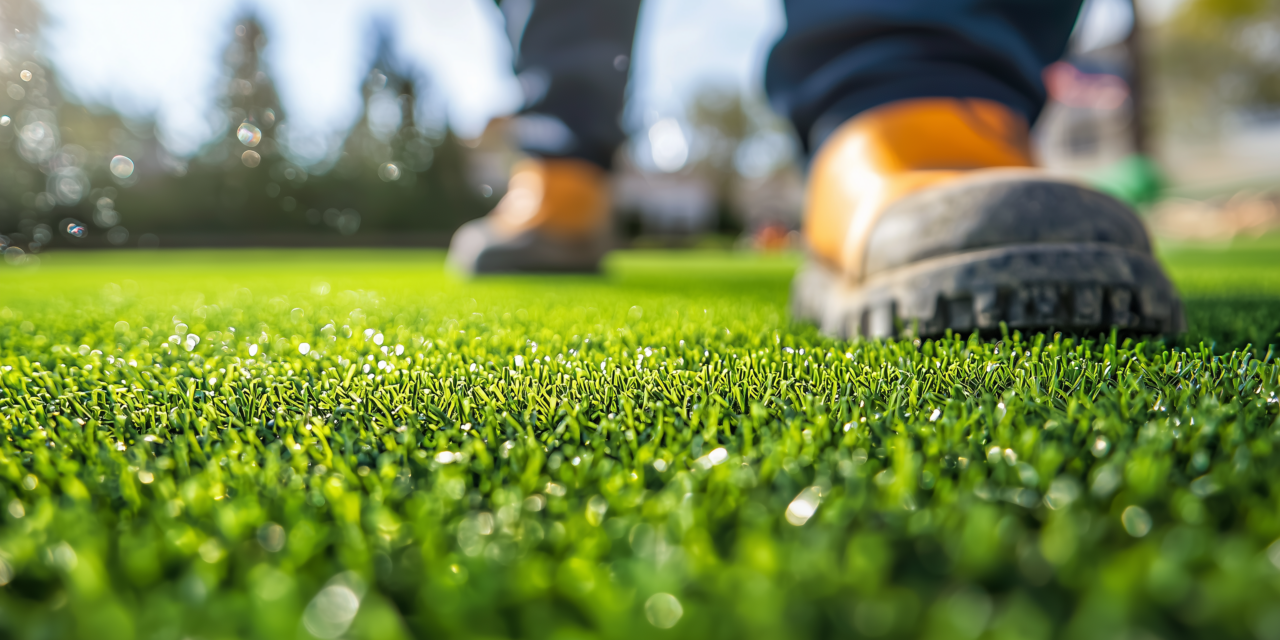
x=836 y=59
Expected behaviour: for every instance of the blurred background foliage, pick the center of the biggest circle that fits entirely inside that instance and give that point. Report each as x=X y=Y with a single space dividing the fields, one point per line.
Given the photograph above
x=1196 y=135
x=1219 y=57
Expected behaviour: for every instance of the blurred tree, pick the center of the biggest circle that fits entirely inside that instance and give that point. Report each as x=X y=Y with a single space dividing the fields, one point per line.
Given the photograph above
x=1216 y=58
x=46 y=193
x=739 y=143
x=394 y=182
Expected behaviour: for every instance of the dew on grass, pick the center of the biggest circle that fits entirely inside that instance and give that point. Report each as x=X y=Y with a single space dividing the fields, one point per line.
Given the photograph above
x=389 y=172
x=76 y=230
x=5 y=120
x=535 y=503
x=271 y=537
x=1062 y=492
x=330 y=612
x=304 y=348
x=1136 y=521
x=25 y=75
x=663 y=610
x=596 y=508
x=804 y=506
x=1100 y=446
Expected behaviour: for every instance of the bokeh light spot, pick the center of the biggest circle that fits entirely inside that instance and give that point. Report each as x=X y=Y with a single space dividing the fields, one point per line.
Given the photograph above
x=389 y=172
x=121 y=167
x=249 y=135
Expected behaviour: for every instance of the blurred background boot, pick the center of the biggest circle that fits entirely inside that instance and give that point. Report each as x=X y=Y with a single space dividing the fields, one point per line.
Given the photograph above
x=554 y=218
x=925 y=215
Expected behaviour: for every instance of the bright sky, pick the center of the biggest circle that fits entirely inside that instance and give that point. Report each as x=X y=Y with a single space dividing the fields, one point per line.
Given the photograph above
x=162 y=59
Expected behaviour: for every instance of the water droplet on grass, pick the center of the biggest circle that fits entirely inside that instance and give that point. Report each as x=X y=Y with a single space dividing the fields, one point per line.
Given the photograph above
x=25 y=75
x=1100 y=446
x=1136 y=521
x=804 y=506
x=250 y=158
x=1062 y=491
x=663 y=610
x=330 y=613
x=272 y=537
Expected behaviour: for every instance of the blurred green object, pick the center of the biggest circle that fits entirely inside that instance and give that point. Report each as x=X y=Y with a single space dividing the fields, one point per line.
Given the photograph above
x=1135 y=179
x=240 y=444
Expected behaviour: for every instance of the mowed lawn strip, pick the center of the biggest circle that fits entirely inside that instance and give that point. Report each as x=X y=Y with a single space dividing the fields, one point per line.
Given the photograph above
x=266 y=444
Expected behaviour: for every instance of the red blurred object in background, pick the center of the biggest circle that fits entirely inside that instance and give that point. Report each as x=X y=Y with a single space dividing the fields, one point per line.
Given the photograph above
x=1075 y=88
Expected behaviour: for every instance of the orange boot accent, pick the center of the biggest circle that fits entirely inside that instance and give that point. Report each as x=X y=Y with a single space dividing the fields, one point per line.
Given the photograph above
x=562 y=197
x=896 y=149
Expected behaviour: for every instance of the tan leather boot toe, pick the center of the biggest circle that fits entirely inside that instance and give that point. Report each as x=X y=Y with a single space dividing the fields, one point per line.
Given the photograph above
x=553 y=218
x=926 y=215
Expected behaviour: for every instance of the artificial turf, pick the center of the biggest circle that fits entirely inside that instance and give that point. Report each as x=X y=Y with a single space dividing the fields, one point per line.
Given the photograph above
x=236 y=444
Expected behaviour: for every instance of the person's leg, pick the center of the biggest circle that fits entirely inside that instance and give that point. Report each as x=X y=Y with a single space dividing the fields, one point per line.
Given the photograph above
x=572 y=58
x=572 y=61
x=838 y=58
x=922 y=211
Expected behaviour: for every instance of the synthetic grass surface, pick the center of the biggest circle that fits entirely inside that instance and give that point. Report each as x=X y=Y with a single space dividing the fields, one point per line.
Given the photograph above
x=354 y=444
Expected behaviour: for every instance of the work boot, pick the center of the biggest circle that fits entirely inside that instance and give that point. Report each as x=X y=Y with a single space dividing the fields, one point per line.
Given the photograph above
x=554 y=218
x=925 y=215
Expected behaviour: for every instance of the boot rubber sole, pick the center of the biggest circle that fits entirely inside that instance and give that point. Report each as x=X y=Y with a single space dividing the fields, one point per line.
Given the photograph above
x=476 y=249
x=1070 y=287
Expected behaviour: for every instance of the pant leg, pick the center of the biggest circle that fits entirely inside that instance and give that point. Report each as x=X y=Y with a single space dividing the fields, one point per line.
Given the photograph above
x=572 y=61
x=840 y=57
